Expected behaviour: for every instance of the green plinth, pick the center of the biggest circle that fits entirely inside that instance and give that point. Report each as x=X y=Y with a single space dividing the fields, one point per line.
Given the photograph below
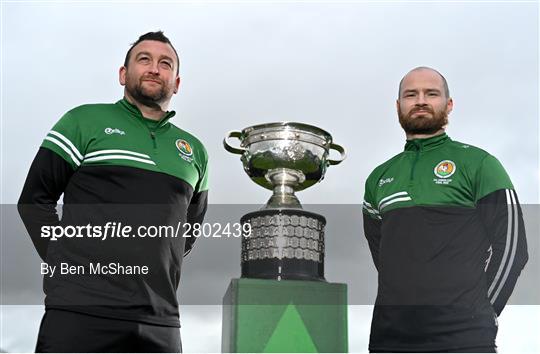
x=284 y=316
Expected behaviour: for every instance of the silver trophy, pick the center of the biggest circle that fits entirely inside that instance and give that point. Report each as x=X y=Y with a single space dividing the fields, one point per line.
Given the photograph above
x=286 y=241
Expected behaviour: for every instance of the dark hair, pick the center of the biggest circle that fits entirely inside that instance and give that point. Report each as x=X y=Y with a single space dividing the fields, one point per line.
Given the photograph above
x=153 y=36
x=445 y=84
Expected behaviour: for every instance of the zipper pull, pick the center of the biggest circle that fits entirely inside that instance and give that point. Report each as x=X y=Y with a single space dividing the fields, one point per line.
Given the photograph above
x=153 y=136
x=418 y=146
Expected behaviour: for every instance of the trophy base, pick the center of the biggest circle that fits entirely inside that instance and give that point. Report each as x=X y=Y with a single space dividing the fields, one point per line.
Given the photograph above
x=284 y=244
x=283 y=269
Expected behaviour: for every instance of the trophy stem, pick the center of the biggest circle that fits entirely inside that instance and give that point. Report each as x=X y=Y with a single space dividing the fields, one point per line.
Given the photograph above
x=284 y=180
x=283 y=197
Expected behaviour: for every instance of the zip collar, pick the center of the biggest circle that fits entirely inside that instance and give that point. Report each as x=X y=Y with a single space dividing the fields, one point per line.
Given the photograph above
x=427 y=143
x=135 y=111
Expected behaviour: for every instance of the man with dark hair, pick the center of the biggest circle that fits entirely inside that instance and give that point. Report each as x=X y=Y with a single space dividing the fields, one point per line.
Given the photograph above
x=445 y=230
x=117 y=165
x=153 y=36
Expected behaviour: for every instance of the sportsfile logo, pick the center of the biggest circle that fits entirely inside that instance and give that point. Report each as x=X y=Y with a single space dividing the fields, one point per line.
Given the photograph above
x=110 y=131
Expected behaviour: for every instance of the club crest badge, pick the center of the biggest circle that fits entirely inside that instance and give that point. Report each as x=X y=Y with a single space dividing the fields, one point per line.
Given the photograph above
x=445 y=169
x=185 y=149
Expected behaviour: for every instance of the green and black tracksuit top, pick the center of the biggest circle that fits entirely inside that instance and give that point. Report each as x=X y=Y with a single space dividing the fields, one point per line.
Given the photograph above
x=446 y=233
x=114 y=165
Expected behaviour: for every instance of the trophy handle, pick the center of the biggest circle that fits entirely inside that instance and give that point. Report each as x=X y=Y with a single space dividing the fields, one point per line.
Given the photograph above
x=339 y=149
x=232 y=149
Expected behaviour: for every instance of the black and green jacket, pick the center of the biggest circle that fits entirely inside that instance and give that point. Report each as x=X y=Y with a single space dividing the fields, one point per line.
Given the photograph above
x=113 y=165
x=446 y=233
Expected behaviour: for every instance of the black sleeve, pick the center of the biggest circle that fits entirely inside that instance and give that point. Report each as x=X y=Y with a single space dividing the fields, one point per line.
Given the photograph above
x=45 y=183
x=502 y=217
x=196 y=211
x=372 y=231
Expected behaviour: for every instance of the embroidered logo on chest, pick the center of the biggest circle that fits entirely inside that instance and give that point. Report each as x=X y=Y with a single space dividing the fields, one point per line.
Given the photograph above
x=185 y=150
x=110 y=131
x=383 y=181
x=444 y=170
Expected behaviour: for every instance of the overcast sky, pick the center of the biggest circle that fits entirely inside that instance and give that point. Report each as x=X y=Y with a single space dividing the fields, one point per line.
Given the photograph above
x=336 y=66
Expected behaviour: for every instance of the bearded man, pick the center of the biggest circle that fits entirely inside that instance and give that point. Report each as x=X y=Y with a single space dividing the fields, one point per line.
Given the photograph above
x=445 y=231
x=121 y=164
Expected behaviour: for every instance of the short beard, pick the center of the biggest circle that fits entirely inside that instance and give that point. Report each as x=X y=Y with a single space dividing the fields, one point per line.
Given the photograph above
x=423 y=125
x=146 y=98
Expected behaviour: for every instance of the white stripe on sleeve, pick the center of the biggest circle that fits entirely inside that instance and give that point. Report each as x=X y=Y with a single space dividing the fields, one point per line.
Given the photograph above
x=507 y=246
x=514 y=247
x=63 y=147
x=68 y=142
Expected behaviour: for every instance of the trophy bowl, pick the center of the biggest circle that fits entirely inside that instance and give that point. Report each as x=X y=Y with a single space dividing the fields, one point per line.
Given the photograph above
x=285 y=242
x=284 y=156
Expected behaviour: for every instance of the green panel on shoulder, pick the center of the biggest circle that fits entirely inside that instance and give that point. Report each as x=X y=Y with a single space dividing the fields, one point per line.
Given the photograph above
x=433 y=172
x=118 y=135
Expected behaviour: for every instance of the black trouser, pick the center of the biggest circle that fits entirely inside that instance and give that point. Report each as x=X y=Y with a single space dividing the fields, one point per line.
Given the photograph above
x=65 y=331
